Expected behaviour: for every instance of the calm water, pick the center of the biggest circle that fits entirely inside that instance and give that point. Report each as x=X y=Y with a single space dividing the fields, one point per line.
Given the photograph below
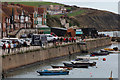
x=103 y=70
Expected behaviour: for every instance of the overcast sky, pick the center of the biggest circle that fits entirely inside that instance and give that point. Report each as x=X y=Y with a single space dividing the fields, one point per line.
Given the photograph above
x=108 y=5
x=82 y=0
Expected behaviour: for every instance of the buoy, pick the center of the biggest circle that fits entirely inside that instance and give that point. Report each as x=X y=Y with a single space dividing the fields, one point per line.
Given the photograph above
x=104 y=59
x=92 y=55
x=110 y=78
x=90 y=74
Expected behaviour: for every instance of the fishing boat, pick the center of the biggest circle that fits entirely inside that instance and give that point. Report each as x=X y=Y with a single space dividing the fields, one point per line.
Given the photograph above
x=75 y=65
x=103 y=50
x=55 y=71
x=99 y=53
x=64 y=67
x=84 y=63
x=108 y=49
x=114 y=51
x=87 y=57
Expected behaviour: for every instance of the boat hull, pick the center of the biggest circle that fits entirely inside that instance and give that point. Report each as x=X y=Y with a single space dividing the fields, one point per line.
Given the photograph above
x=89 y=64
x=75 y=65
x=69 y=68
x=100 y=53
x=89 y=58
x=54 y=73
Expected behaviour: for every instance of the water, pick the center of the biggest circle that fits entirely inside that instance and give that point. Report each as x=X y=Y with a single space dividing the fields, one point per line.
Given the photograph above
x=103 y=70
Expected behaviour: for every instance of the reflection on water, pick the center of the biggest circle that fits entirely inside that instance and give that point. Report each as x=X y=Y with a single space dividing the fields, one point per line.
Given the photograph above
x=102 y=71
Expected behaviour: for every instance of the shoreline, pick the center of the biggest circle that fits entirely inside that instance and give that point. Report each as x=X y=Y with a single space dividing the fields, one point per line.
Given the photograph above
x=47 y=54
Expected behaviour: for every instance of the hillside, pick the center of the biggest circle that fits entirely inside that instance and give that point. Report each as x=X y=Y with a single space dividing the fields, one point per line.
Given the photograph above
x=82 y=17
x=89 y=18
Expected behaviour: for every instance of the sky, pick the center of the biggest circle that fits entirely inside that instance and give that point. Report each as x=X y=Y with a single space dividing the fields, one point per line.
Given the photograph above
x=108 y=5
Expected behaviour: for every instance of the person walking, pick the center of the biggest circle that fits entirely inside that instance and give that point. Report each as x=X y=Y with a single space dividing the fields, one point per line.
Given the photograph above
x=4 y=47
x=72 y=39
x=64 y=39
x=9 y=47
x=61 y=39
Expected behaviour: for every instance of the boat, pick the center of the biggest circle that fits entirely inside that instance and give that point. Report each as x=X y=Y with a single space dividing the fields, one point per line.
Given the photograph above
x=75 y=65
x=108 y=49
x=118 y=51
x=103 y=50
x=99 y=53
x=65 y=67
x=84 y=63
x=114 y=51
x=55 y=71
x=87 y=57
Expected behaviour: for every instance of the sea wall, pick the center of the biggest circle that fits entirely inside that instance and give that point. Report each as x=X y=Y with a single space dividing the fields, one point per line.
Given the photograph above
x=18 y=60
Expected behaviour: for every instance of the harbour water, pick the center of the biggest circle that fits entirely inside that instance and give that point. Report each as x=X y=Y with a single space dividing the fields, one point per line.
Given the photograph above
x=102 y=70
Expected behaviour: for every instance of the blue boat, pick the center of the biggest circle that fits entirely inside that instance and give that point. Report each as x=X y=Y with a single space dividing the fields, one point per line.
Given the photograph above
x=53 y=72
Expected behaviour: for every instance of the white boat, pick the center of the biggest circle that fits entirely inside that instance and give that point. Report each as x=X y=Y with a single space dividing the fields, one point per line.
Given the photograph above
x=87 y=57
x=114 y=51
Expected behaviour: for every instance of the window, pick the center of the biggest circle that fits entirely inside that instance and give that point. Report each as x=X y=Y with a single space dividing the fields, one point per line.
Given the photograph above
x=26 y=18
x=15 y=16
x=9 y=20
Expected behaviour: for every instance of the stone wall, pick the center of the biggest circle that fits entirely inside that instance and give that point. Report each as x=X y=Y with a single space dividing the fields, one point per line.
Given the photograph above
x=26 y=31
x=17 y=60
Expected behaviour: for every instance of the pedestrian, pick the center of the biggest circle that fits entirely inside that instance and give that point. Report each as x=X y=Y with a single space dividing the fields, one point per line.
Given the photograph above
x=64 y=39
x=61 y=39
x=4 y=46
x=72 y=39
x=58 y=40
x=9 y=47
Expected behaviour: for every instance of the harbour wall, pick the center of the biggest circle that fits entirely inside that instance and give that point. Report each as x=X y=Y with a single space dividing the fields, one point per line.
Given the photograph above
x=17 y=60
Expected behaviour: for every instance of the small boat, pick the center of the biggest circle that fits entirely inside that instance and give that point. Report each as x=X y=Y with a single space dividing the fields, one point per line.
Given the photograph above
x=108 y=49
x=100 y=53
x=87 y=57
x=103 y=50
x=114 y=51
x=75 y=65
x=64 y=67
x=56 y=71
x=84 y=63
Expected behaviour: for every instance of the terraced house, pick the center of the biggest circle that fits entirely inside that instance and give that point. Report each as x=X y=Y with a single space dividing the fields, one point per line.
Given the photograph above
x=17 y=16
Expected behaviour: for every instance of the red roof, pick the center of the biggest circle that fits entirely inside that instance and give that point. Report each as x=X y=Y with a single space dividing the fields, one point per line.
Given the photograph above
x=41 y=10
x=29 y=9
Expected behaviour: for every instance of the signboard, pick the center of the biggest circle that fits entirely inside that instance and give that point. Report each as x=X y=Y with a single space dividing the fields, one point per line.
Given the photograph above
x=79 y=32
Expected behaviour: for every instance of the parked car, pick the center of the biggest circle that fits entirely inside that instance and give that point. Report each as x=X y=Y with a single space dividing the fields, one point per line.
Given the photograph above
x=51 y=37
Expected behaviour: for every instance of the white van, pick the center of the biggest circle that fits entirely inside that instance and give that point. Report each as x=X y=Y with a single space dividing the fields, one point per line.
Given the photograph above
x=50 y=37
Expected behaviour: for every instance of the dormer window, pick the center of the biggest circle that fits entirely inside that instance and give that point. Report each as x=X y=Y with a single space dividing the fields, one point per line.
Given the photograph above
x=9 y=20
x=22 y=13
x=26 y=18
x=15 y=16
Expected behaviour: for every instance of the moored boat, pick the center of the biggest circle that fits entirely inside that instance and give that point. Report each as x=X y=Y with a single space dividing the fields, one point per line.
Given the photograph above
x=83 y=63
x=75 y=65
x=87 y=57
x=64 y=67
x=56 y=71
x=100 y=53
